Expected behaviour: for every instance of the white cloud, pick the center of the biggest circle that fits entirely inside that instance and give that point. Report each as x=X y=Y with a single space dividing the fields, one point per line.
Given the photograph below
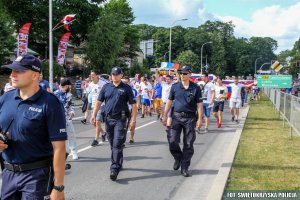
x=281 y=24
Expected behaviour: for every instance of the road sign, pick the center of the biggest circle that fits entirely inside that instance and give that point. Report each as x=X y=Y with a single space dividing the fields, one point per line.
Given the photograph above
x=276 y=66
x=274 y=81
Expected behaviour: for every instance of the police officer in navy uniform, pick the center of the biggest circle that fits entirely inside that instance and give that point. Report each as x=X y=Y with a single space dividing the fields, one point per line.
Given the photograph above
x=187 y=99
x=116 y=96
x=34 y=154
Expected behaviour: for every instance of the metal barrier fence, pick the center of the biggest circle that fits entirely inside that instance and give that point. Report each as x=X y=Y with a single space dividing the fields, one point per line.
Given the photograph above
x=288 y=106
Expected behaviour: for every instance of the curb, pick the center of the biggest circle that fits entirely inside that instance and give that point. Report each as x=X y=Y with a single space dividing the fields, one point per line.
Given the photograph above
x=218 y=186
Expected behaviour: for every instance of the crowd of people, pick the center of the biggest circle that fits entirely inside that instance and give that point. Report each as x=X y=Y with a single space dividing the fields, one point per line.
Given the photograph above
x=180 y=104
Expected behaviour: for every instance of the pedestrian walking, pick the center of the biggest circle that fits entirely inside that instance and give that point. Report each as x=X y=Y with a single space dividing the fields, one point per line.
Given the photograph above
x=116 y=96
x=187 y=100
x=34 y=154
x=220 y=97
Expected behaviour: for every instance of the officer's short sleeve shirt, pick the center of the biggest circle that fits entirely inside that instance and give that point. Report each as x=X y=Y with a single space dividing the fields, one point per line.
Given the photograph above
x=185 y=100
x=116 y=98
x=37 y=121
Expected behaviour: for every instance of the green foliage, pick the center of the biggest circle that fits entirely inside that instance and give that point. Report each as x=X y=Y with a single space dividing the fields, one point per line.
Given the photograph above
x=189 y=58
x=138 y=69
x=36 y=11
x=113 y=38
x=7 y=41
x=57 y=70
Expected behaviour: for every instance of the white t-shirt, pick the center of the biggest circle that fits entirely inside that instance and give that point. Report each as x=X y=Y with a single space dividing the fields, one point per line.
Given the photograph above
x=165 y=91
x=236 y=91
x=207 y=92
x=220 y=91
x=94 y=89
x=146 y=90
x=8 y=87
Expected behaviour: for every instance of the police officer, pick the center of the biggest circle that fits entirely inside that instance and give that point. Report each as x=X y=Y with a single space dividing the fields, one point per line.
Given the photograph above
x=116 y=96
x=187 y=100
x=34 y=155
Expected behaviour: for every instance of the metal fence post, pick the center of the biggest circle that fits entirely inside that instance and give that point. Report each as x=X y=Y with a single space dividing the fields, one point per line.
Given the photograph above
x=284 y=101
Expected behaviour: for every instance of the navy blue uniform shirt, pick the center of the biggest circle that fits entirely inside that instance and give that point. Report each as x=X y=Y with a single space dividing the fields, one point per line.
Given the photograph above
x=116 y=98
x=185 y=99
x=38 y=121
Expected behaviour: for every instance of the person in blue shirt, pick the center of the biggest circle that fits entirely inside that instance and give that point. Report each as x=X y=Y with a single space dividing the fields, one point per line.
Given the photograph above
x=116 y=96
x=65 y=96
x=78 y=87
x=187 y=99
x=158 y=103
x=44 y=84
x=34 y=154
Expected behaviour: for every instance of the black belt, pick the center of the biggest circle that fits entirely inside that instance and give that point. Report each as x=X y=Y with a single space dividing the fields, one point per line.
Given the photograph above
x=28 y=166
x=116 y=117
x=185 y=114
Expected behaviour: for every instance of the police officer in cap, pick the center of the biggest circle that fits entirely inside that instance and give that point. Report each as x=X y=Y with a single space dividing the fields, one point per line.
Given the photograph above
x=34 y=153
x=187 y=99
x=116 y=96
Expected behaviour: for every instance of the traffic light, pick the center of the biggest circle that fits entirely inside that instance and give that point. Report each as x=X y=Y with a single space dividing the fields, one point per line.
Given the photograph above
x=298 y=63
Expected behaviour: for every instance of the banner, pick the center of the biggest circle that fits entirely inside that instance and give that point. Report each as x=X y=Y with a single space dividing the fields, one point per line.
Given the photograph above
x=62 y=48
x=23 y=40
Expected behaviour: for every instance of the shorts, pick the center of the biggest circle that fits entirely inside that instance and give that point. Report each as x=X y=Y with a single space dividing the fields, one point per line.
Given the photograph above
x=235 y=103
x=100 y=115
x=146 y=102
x=158 y=103
x=206 y=110
x=89 y=107
x=218 y=106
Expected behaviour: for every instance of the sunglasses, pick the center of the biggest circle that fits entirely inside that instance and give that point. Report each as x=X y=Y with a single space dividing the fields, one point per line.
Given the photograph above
x=184 y=74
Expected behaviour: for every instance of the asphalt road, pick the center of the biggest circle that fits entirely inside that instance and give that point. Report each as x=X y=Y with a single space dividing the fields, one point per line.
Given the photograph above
x=147 y=169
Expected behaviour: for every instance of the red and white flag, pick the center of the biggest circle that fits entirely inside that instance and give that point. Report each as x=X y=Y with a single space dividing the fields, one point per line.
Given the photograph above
x=68 y=19
x=23 y=39
x=62 y=48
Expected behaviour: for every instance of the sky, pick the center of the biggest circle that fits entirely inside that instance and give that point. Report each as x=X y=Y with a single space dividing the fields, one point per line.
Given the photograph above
x=278 y=19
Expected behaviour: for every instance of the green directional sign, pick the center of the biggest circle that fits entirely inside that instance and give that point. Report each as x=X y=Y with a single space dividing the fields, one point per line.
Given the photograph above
x=274 y=81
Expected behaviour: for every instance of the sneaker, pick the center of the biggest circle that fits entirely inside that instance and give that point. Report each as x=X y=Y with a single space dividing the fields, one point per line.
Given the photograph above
x=75 y=156
x=83 y=121
x=131 y=141
x=95 y=143
x=206 y=130
x=103 y=137
x=143 y=116
x=237 y=121
x=232 y=118
x=197 y=130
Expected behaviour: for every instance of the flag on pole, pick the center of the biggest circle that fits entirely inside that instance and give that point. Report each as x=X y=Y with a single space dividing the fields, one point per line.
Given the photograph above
x=68 y=19
x=23 y=39
x=62 y=48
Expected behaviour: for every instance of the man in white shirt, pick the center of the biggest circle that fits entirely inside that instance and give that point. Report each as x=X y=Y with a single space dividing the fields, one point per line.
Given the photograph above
x=235 y=99
x=208 y=95
x=220 y=96
x=146 y=88
x=94 y=89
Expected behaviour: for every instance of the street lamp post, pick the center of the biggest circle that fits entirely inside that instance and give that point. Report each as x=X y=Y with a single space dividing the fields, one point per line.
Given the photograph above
x=256 y=63
x=170 y=45
x=267 y=63
x=50 y=47
x=202 y=52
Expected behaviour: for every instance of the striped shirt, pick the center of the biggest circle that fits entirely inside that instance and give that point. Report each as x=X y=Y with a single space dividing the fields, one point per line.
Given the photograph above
x=78 y=84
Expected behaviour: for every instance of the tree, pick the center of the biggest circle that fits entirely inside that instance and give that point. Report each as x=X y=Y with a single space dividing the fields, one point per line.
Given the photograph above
x=7 y=41
x=113 y=39
x=36 y=11
x=189 y=58
x=104 y=42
